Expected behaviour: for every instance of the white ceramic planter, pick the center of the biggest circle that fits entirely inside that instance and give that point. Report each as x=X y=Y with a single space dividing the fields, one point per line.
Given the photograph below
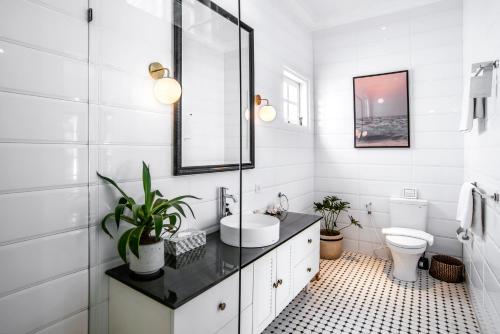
x=151 y=259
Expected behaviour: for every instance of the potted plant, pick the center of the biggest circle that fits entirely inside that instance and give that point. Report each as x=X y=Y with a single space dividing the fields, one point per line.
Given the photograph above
x=148 y=221
x=331 y=236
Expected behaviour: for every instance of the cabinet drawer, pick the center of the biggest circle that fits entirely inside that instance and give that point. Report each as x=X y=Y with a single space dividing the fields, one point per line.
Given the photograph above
x=210 y=311
x=246 y=323
x=305 y=270
x=305 y=242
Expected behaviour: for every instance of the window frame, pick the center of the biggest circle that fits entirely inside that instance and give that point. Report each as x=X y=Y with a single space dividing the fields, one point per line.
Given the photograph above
x=292 y=78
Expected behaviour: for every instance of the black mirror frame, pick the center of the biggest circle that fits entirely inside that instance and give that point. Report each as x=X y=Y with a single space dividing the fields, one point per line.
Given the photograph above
x=177 y=70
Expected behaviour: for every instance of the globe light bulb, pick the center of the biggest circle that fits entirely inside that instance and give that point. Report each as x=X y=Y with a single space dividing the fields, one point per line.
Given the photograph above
x=167 y=90
x=267 y=113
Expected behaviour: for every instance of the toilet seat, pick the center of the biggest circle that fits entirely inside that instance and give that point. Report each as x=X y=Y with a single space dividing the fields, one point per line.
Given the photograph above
x=405 y=242
x=408 y=233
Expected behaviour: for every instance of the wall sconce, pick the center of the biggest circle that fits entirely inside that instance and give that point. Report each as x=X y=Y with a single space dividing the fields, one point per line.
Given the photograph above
x=267 y=113
x=167 y=90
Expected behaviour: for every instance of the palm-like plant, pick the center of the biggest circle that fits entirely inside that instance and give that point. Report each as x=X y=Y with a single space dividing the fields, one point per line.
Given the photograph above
x=330 y=208
x=146 y=218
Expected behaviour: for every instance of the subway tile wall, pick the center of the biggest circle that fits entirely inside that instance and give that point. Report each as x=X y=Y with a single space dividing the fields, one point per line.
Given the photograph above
x=52 y=158
x=77 y=98
x=482 y=164
x=44 y=163
x=427 y=41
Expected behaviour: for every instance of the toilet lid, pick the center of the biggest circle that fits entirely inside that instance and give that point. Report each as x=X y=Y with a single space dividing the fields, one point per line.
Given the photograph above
x=405 y=242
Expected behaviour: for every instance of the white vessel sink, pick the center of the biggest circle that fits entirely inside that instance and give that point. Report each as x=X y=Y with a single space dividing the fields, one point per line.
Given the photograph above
x=258 y=230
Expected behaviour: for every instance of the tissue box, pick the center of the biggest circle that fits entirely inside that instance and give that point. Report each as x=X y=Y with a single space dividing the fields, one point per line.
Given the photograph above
x=185 y=241
x=185 y=259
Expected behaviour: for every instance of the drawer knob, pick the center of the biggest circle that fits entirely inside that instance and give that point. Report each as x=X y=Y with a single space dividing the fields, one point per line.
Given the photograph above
x=222 y=306
x=309 y=269
x=309 y=241
x=280 y=281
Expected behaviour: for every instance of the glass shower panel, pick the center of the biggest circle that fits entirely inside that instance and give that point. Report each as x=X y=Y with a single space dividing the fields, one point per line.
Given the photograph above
x=129 y=125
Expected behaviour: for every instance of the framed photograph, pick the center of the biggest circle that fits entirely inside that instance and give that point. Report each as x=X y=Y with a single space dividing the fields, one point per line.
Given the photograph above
x=381 y=110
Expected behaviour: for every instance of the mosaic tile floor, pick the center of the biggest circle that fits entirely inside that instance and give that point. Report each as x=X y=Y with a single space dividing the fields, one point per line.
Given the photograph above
x=356 y=294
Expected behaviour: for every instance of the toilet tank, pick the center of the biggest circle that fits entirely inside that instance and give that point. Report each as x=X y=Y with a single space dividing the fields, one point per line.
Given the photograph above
x=409 y=213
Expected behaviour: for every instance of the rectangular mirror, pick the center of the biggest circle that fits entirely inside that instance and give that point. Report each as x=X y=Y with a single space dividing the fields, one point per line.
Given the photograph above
x=206 y=63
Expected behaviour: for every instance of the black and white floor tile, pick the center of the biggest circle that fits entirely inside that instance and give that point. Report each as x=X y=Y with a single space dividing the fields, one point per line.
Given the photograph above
x=357 y=294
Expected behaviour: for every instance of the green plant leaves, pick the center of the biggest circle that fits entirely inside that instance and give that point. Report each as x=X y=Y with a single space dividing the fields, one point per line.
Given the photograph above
x=147 y=217
x=330 y=208
x=172 y=218
x=122 y=244
x=158 y=222
x=136 y=211
x=113 y=183
x=135 y=240
x=103 y=223
x=178 y=208
x=146 y=183
x=355 y=222
x=120 y=208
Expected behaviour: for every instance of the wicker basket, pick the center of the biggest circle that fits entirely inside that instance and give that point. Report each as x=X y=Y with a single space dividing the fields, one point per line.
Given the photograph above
x=447 y=268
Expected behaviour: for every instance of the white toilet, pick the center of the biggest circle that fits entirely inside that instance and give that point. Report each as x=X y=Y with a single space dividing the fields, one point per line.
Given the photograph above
x=406 y=238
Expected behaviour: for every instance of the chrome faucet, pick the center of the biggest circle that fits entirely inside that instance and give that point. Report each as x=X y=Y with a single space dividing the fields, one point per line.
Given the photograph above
x=223 y=204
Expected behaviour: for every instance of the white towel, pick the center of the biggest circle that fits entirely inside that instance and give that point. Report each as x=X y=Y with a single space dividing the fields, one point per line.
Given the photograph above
x=467 y=116
x=465 y=206
x=409 y=232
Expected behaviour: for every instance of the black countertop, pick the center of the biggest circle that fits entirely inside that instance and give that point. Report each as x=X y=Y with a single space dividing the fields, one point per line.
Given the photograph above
x=194 y=272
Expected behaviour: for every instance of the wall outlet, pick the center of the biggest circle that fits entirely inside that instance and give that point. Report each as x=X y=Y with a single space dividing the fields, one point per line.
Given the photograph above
x=258 y=188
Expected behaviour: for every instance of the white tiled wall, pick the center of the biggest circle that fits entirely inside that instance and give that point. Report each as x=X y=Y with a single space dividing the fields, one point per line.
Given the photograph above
x=44 y=167
x=52 y=141
x=128 y=125
x=482 y=164
x=427 y=41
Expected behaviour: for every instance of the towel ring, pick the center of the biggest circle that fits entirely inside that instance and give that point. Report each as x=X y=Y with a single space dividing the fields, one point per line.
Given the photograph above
x=282 y=207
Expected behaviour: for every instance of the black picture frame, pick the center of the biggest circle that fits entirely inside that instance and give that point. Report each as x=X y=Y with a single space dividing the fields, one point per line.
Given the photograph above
x=179 y=169
x=406 y=72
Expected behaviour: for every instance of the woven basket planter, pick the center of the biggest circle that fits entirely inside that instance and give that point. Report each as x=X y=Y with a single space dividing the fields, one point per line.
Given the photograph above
x=447 y=268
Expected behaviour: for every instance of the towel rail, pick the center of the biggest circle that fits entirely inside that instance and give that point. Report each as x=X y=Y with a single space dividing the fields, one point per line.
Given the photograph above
x=495 y=196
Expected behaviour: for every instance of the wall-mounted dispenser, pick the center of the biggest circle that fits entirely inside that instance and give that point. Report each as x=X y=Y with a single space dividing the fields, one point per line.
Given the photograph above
x=267 y=113
x=167 y=90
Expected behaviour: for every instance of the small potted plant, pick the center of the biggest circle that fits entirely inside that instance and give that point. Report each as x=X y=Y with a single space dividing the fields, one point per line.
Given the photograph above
x=143 y=242
x=331 y=236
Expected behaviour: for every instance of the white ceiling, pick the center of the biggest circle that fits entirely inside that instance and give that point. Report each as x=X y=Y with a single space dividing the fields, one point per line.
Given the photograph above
x=320 y=14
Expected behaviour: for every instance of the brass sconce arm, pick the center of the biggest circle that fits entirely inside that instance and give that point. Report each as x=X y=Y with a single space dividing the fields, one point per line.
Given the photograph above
x=259 y=100
x=157 y=71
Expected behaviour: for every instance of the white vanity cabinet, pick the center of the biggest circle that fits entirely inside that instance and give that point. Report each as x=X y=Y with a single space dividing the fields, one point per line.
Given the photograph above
x=268 y=285
x=305 y=257
x=281 y=274
x=215 y=311
x=272 y=285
